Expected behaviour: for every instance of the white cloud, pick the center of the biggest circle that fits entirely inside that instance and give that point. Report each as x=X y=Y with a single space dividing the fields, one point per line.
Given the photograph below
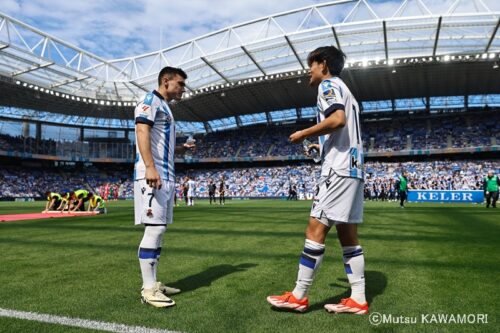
x=10 y=6
x=114 y=29
x=120 y=28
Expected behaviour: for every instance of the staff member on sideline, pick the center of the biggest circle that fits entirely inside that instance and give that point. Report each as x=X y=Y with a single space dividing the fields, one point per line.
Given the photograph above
x=53 y=200
x=490 y=187
x=402 y=187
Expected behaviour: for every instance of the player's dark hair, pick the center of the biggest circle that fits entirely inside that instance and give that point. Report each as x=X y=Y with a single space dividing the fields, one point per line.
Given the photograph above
x=171 y=72
x=334 y=58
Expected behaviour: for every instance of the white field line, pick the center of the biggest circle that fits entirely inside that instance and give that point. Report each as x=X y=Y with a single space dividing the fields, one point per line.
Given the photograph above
x=78 y=322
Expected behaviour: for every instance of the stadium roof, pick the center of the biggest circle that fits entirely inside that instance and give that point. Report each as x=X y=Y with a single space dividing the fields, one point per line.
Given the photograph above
x=260 y=65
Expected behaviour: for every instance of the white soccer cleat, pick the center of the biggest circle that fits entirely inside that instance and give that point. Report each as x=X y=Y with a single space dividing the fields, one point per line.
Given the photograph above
x=167 y=290
x=156 y=298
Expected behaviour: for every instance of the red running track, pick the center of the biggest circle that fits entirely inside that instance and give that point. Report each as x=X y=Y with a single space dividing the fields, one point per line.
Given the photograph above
x=37 y=216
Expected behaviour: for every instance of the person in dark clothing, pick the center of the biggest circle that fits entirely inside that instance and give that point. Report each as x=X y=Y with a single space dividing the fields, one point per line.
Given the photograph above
x=185 y=189
x=211 y=191
x=222 y=192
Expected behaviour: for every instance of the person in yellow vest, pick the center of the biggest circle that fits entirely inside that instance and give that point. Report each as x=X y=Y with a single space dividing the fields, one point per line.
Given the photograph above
x=53 y=200
x=490 y=187
x=96 y=204
x=65 y=202
x=78 y=199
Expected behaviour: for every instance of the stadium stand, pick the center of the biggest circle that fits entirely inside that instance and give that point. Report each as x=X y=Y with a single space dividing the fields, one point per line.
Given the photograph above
x=455 y=130
x=249 y=182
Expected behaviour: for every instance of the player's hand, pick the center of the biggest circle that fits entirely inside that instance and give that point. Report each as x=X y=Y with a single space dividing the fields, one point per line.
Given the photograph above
x=189 y=145
x=297 y=137
x=153 y=177
x=312 y=146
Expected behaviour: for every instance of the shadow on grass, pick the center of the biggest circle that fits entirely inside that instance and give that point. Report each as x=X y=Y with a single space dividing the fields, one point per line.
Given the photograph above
x=376 y=282
x=205 y=278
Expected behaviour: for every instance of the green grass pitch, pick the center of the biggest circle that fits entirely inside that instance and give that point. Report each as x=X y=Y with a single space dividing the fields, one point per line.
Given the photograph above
x=426 y=259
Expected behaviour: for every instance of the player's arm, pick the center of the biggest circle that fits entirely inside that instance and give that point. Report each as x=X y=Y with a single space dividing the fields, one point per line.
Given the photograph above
x=78 y=205
x=333 y=106
x=144 y=143
x=334 y=120
x=181 y=149
x=51 y=203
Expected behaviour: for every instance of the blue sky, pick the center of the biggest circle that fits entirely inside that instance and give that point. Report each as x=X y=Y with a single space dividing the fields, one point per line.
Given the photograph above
x=116 y=29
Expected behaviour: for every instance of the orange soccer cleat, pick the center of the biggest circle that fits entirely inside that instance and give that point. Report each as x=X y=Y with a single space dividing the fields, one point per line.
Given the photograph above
x=288 y=302
x=347 y=305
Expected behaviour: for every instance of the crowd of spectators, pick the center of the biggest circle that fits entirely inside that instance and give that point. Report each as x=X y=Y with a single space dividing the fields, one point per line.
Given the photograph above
x=379 y=135
x=74 y=149
x=32 y=182
x=380 y=178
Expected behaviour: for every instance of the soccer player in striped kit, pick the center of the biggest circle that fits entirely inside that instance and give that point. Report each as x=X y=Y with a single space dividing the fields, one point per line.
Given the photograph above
x=339 y=195
x=154 y=178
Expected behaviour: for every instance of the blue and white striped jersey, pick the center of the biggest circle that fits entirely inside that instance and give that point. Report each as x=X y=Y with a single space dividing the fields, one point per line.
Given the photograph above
x=155 y=112
x=342 y=150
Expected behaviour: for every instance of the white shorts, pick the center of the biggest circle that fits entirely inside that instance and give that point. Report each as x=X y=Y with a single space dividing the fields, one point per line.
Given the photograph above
x=190 y=194
x=153 y=206
x=338 y=200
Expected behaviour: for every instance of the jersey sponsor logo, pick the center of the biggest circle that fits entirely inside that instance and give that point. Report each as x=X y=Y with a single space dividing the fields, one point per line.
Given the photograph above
x=148 y=100
x=330 y=94
x=145 y=109
x=162 y=114
x=328 y=90
x=326 y=85
x=355 y=163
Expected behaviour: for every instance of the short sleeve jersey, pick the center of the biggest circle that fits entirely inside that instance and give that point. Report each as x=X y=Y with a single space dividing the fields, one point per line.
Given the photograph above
x=154 y=111
x=342 y=150
x=192 y=185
